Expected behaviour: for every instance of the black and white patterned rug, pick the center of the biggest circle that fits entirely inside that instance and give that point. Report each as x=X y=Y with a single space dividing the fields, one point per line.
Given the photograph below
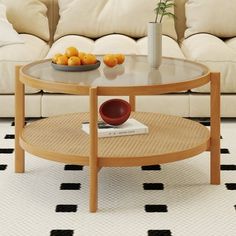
x=175 y=199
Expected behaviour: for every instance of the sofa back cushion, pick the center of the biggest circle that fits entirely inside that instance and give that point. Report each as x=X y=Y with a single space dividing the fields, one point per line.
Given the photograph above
x=7 y=34
x=96 y=18
x=217 y=17
x=28 y=16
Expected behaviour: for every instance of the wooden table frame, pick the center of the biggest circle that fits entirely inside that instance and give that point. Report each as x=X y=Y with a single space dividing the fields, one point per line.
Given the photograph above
x=94 y=92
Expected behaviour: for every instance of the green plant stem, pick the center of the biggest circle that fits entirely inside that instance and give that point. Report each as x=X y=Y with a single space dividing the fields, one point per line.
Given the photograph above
x=157 y=13
x=163 y=12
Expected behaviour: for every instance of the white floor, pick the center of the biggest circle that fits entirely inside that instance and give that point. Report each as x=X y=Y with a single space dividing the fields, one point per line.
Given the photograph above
x=187 y=206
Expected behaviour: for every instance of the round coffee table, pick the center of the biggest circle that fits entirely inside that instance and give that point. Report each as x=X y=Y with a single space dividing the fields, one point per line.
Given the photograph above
x=170 y=138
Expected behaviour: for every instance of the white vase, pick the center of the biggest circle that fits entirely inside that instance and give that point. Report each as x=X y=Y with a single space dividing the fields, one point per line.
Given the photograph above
x=154 y=44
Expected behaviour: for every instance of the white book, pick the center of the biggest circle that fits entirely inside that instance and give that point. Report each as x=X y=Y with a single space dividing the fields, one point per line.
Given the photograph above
x=130 y=127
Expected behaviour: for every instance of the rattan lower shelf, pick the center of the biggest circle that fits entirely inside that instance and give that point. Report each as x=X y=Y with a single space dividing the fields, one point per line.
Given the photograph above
x=170 y=138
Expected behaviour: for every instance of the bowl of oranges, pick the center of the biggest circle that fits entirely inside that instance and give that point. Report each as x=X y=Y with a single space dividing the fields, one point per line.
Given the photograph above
x=74 y=60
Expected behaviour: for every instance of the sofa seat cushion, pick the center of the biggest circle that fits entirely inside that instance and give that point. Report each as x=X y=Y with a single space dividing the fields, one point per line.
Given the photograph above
x=231 y=43
x=114 y=43
x=218 y=55
x=19 y=54
x=52 y=104
x=170 y=47
x=32 y=105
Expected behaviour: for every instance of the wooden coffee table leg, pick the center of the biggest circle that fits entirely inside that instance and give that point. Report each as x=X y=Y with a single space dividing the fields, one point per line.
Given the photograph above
x=93 y=159
x=132 y=102
x=19 y=121
x=215 y=128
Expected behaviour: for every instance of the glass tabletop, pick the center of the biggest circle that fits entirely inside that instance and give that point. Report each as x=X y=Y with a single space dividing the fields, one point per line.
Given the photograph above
x=134 y=72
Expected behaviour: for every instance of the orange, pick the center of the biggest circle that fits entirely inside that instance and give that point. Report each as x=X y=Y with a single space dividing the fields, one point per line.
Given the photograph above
x=62 y=60
x=71 y=51
x=74 y=61
x=55 y=57
x=110 y=60
x=89 y=59
x=120 y=58
x=81 y=54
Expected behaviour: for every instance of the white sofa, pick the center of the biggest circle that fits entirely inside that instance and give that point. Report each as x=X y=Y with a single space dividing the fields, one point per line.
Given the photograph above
x=103 y=26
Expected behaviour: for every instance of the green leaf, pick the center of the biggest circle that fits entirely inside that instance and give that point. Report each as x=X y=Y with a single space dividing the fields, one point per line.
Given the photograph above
x=162 y=4
x=162 y=9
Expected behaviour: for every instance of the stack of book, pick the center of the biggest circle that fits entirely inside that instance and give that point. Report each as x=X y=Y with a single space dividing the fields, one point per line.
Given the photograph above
x=130 y=127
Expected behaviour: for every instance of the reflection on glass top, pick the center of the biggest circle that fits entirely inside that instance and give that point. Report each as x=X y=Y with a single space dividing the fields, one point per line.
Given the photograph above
x=134 y=72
